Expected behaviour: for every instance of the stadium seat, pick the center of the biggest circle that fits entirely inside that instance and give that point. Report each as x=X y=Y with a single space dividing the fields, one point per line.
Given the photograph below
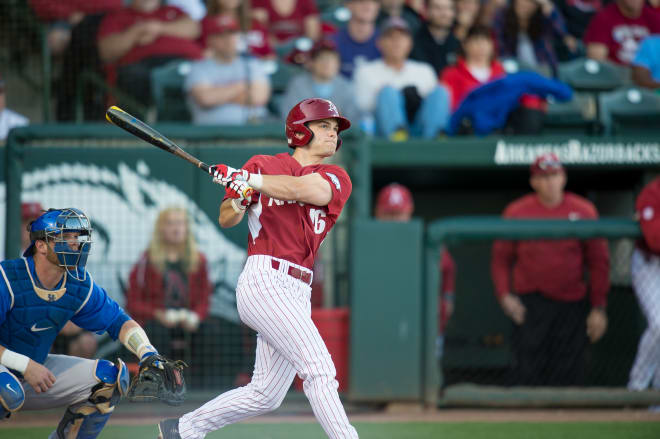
x=575 y=116
x=337 y=16
x=592 y=76
x=630 y=110
x=167 y=91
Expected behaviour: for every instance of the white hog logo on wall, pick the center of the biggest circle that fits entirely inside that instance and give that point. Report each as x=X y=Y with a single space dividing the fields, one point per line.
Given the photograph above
x=123 y=204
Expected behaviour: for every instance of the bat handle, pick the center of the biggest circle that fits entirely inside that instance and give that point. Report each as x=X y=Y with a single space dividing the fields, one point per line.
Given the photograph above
x=247 y=193
x=204 y=167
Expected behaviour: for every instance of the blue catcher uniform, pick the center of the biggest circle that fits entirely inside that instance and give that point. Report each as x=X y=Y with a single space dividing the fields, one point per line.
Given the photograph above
x=30 y=319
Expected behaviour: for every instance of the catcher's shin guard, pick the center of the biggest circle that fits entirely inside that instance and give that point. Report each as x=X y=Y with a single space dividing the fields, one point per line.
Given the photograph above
x=86 y=420
x=11 y=394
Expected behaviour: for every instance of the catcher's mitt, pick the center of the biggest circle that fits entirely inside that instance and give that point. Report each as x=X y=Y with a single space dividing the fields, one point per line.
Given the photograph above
x=159 y=378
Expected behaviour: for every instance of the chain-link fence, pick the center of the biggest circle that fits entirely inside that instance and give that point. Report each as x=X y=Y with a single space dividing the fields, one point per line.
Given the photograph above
x=526 y=307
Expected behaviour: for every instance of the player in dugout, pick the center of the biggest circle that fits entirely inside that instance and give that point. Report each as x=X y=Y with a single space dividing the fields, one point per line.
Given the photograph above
x=540 y=284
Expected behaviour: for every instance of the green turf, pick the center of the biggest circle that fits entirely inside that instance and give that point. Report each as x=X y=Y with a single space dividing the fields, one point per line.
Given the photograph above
x=412 y=430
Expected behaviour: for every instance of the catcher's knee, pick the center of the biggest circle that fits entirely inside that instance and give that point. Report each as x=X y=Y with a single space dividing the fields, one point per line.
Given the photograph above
x=112 y=385
x=12 y=395
x=85 y=421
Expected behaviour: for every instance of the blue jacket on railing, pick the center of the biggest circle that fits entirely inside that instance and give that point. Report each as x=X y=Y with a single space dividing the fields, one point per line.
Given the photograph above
x=488 y=106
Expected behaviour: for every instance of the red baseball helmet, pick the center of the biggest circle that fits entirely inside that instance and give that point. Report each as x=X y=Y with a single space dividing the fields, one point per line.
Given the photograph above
x=395 y=198
x=307 y=111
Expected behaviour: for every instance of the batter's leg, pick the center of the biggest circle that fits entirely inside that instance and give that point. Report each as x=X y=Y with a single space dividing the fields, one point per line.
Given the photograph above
x=645 y=273
x=278 y=307
x=271 y=380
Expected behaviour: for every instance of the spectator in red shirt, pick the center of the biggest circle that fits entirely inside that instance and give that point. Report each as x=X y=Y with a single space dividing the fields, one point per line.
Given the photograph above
x=617 y=30
x=169 y=287
x=288 y=19
x=253 y=36
x=477 y=65
x=142 y=36
x=395 y=203
x=541 y=288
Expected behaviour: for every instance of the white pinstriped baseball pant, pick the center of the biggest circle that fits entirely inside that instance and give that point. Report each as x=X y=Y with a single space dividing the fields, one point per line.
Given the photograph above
x=278 y=307
x=645 y=273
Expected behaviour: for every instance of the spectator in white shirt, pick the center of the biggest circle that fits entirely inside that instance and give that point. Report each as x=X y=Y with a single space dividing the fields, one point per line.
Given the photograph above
x=403 y=96
x=8 y=119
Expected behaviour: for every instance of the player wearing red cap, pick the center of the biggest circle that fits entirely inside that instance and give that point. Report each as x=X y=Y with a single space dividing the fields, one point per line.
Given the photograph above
x=546 y=295
x=292 y=202
x=645 y=273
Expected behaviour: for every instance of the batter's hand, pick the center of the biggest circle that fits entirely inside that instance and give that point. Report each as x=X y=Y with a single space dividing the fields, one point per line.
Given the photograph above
x=39 y=377
x=241 y=193
x=513 y=308
x=223 y=174
x=596 y=324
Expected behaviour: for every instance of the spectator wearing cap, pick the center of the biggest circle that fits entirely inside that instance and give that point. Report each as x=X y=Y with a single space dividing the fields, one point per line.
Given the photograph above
x=646 y=65
x=399 y=9
x=322 y=79
x=403 y=96
x=434 y=42
x=541 y=287
x=253 y=37
x=616 y=31
x=226 y=89
x=395 y=203
x=356 y=42
x=141 y=36
x=8 y=118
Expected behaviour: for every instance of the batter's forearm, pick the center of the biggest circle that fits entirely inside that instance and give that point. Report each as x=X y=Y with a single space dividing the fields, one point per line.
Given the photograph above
x=229 y=217
x=310 y=188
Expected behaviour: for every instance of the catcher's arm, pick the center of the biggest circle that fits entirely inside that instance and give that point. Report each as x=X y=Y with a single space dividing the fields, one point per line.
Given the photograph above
x=135 y=339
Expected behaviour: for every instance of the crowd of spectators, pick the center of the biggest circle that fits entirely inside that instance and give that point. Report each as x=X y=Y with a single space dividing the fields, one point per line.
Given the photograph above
x=418 y=58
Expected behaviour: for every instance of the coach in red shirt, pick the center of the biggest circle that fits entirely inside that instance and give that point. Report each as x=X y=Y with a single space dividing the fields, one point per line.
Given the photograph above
x=144 y=35
x=541 y=286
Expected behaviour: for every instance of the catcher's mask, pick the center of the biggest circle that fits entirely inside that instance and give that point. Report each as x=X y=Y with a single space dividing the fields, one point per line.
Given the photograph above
x=71 y=232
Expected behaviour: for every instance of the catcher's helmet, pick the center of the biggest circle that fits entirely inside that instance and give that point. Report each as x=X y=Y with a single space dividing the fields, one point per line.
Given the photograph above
x=52 y=226
x=307 y=111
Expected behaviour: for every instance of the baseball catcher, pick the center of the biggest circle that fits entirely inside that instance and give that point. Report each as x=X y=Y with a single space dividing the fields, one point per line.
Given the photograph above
x=159 y=378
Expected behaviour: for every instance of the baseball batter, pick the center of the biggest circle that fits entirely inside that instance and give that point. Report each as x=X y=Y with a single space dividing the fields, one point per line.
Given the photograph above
x=39 y=294
x=645 y=270
x=296 y=202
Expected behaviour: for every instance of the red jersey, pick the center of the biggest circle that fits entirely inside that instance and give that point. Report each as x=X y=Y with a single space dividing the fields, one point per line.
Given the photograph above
x=292 y=230
x=49 y=10
x=448 y=276
x=620 y=34
x=647 y=208
x=283 y=27
x=164 y=45
x=553 y=267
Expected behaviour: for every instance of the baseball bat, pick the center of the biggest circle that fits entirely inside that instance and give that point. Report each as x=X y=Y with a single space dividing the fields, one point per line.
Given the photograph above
x=135 y=126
